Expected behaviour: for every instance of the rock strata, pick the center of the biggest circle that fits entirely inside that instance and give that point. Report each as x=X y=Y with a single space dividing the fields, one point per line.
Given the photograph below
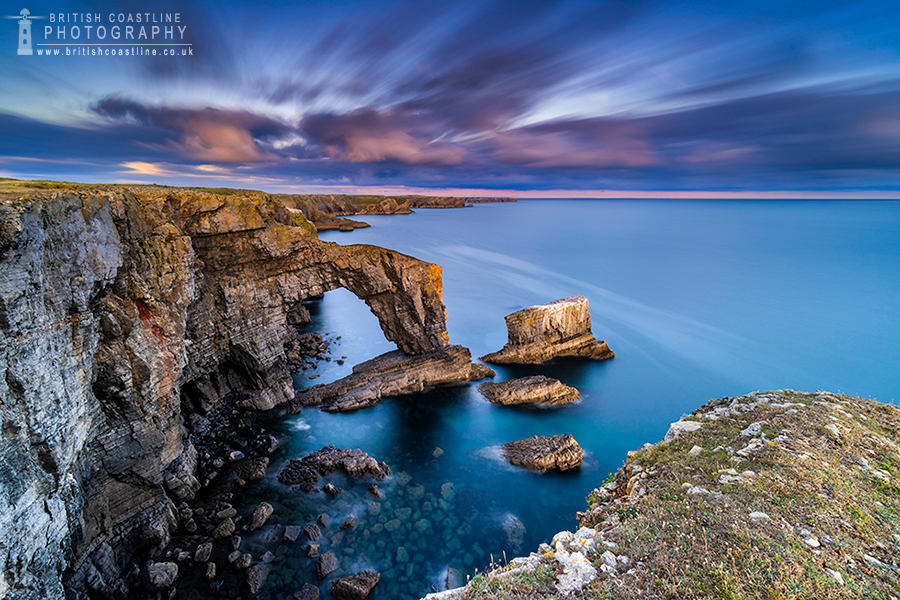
x=536 y=389
x=128 y=316
x=544 y=453
x=355 y=587
x=558 y=328
x=392 y=374
x=305 y=472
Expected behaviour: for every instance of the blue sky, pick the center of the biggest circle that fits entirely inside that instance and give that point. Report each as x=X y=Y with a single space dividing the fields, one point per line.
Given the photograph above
x=344 y=96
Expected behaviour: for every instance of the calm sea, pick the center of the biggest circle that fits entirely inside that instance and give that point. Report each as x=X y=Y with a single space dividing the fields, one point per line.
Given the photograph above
x=699 y=300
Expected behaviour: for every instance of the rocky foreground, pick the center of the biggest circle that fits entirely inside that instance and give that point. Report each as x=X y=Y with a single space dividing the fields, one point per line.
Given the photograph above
x=137 y=325
x=540 y=333
x=770 y=495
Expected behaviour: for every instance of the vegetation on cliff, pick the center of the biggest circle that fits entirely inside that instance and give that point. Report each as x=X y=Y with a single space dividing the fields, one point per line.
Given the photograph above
x=773 y=495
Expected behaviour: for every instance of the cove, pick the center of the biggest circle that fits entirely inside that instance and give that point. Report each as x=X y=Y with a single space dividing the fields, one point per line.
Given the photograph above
x=698 y=299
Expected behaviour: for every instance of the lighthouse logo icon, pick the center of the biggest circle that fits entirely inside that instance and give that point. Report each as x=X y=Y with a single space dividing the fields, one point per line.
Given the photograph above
x=24 y=25
x=25 y=33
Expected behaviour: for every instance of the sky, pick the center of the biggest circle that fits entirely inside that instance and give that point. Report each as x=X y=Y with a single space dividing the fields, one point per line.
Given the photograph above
x=584 y=98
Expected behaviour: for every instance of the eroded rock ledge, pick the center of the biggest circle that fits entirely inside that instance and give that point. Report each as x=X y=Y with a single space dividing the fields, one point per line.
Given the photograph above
x=558 y=328
x=543 y=453
x=126 y=310
x=392 y=374
x=536 y=389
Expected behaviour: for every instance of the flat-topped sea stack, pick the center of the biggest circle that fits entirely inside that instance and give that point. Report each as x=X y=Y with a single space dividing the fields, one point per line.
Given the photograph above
x=543 y=453
x=558 y=328
x=536 y=389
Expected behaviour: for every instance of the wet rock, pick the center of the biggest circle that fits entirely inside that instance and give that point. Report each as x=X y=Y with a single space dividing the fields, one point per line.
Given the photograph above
x=306 y=471
x=291 y=533
x=159 y=576
x=243 y=561
x=349 y=522
x=225 y=513
x=375 y=492
x=250 y=469
x=224 y=529
x=312 y=550
x=558 y=328
x=355 y=587
x=536 y=389
x=543 y=453
x=394 y=374
x=234 y=556
x=209 y=571
x=203 y=552
x=260 y=515
x=235 y=455
x=324 y=520
x=309 y=592
x=256 y=577
x=331 y=489
x=236 y=542
x=267 y=557
x=326 y=564
x=312 y=532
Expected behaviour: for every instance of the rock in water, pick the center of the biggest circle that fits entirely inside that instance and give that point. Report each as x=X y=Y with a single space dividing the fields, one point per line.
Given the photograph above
x=326 y=564
x=305 y=471
x=260 y=515
x=558 y=328
x=159 y=576
x=392 y=374
x=543 y=453
x=256 y=577
x=309 y=592
x=355 y=587
x=536 y=389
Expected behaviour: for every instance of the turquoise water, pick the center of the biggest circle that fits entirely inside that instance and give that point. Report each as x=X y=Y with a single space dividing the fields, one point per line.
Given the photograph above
x=699 y=299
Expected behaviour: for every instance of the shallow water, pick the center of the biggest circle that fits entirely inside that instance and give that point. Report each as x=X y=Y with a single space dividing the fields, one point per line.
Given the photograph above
x=698 y=299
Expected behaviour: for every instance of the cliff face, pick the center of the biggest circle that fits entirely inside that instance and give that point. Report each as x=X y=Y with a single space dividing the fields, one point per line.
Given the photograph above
x=123 y=311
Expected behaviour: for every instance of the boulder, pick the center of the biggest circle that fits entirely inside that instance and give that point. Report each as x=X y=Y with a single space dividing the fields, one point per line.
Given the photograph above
x=224 y=529
x=291 y=533
x=203 y=552
x=159 y=576
x=312 y=532
x=260 y=515
x=255 y=577
x=355 y=587
x=536 y=389
x=250 y=469
x=309 y=592
x=543 y=453
x=558 y=328
x=326 y=564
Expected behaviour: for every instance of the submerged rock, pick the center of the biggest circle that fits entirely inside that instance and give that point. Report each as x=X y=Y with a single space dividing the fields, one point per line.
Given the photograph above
x=305 y=471
x=309 y=592
x=536 y=389
x=558 y=328
x=355 y=587
x=543 y=453
x=393 y=374
x=326 y=564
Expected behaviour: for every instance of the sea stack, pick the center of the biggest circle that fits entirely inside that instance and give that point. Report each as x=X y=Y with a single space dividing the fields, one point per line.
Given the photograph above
x=558 y=328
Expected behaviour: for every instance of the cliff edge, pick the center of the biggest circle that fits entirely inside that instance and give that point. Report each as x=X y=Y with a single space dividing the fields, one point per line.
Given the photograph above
x=125 y=310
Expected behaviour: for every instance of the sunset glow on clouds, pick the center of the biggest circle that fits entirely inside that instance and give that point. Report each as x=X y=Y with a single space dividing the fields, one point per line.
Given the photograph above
x=504 y=96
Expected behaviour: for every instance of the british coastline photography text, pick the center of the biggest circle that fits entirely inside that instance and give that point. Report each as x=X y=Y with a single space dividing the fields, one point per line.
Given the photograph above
x=112 y=33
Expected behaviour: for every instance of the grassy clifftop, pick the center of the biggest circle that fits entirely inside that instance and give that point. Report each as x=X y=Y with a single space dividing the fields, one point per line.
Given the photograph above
x=772 y=495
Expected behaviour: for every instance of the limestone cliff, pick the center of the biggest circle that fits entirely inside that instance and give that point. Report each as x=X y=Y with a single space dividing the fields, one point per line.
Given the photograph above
x=121 y=311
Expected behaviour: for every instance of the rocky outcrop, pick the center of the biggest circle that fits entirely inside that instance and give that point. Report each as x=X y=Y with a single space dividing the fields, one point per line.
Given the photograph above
x=326 y=211
x=558 y=328
x=392 y=374
x=535 y=389
x=124 y=311
x=305 y=471
x=355 y=587
x=544 y=453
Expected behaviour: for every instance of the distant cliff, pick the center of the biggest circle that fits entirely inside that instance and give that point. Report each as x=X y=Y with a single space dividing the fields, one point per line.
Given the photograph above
x=122 y=310
x=326 y=211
